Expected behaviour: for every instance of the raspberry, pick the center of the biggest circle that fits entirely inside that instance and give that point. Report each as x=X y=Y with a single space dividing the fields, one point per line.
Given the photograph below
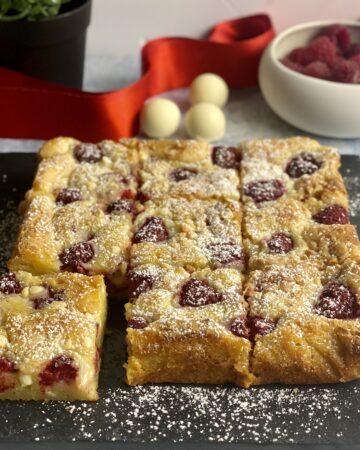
x=301 y=56
x=6 y=365
x=74 y=257
x=138 y=323
x=182 y=173
x=344 y=40
x=238 y=327
x=89 y=153
x=9 y=284
x=280 y=243
x=60 y=368
x=302 y=164
x=291 y=64
x=139 y=283
x=347 y=71
x=337 y=301
x=356 y=60
x=68 y=195
x=226 y=157
x=120 y=206
x=339 y=35
x=142 y=197
x=318 y=69
x=264 y=190
x=226 y=253
x=49 y=296
x=261 y=326
x=323 y=49
x=326 y=56
x=197 y=293
x=354 y=50
x=128 y=194
x=152 y=230
x=334 y=214
x=320 y=49
x=7 y=371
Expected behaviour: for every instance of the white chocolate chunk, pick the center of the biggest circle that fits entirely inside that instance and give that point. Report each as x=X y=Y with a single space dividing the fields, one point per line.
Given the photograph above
x=25 y=379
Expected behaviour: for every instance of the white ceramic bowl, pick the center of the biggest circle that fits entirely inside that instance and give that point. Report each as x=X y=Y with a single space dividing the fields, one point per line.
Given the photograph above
x=322 y=107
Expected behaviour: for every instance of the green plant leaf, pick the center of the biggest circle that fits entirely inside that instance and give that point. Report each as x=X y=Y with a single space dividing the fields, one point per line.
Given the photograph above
x=12 y=10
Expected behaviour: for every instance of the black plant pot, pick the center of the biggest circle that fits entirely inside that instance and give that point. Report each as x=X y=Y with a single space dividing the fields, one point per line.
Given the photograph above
x=50 y=49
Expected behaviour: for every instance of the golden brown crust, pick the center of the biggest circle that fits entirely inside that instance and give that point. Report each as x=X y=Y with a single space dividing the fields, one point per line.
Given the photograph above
x=49 y=229
x=187 y=352
x=306 y=350
x=100 y=183
x=159 y=160
x=195 y=228
x=197 y=201
x=268 y=159
x=37 y=328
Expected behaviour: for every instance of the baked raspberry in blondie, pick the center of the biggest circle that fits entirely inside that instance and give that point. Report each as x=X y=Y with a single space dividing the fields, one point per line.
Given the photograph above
x=282 y=231
x=188 y=169
x=76 y=237
x=316 y=326
x=240 y=262
x=51 y=336
x=71 y=171
x=187 y=327
x=298 y=168
x=192 y=234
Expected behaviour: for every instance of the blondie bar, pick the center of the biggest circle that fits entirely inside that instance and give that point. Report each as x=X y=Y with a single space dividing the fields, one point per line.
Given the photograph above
x=51 y=336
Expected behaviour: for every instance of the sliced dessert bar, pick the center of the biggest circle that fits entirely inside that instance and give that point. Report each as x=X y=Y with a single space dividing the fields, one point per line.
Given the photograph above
x=280 y=231
x=192 y=234
x=189 y=169
x=187 y=328
x=298 y=168
x=70 y=171
x=78 y=237
x=51 y=335
x=308 y=325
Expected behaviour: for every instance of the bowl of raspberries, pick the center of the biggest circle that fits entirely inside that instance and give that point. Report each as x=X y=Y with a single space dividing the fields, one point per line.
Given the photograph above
x=310 y=76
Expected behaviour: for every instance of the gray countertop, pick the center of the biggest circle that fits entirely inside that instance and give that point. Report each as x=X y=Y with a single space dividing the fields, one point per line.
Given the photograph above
x=247 y=114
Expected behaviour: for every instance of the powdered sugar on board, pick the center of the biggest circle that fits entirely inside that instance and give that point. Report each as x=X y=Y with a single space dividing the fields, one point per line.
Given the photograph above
x=168 y=413
x=177 y=413
x=9 y=225
x=353 y=186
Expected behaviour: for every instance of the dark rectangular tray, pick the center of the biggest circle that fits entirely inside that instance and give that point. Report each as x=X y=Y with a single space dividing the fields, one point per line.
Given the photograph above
x=174 y=416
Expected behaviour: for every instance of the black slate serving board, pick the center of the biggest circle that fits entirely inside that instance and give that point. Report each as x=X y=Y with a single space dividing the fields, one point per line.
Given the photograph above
x=174 y=416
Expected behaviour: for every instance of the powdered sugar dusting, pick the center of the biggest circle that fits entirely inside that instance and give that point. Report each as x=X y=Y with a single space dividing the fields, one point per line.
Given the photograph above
x=353 y=184
x=188 y=413
x=9 y=225
x=182 y=413
x=177 y=413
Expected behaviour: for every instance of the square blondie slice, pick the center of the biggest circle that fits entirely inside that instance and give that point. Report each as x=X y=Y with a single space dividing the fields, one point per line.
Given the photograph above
x=281 y=231
x=305 y=323
x=192 y=234
x=77 y=237
x=273 y=231
x=186 y=328
x=299 y=168
x=71 y=171
x=51 y=334
x=191 y=169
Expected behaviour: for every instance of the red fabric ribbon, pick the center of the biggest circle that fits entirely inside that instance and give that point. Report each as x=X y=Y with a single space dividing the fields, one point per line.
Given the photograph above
x=35 y=109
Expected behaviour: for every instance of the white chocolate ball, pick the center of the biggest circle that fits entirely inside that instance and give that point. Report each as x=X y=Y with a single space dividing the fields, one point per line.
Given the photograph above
x=160 y=118
x=210 y=88
x=205 y=121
